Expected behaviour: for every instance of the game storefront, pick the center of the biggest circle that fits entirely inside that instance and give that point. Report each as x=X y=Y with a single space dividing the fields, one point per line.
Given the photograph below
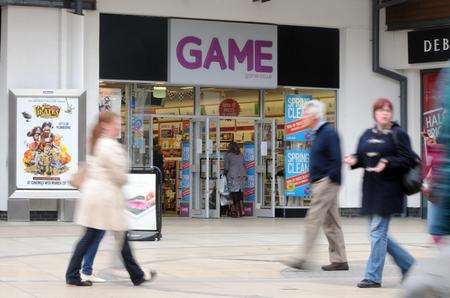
x=217 y=86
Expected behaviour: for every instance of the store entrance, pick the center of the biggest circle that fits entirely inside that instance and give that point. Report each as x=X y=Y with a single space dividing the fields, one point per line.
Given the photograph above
x=193 y=149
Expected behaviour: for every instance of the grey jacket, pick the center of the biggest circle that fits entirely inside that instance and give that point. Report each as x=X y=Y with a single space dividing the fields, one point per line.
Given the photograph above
x=236 y=172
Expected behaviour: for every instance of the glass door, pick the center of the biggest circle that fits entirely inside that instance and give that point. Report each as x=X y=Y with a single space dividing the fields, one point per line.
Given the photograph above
x=266 y=165
x=170 y=146
x=202 y=184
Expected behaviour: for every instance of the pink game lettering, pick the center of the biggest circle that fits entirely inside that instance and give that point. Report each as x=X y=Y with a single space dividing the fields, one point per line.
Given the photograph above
x=253 y=53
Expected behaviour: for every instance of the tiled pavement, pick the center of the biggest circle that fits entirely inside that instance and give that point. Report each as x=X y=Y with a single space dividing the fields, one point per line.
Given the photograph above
x=201 y=258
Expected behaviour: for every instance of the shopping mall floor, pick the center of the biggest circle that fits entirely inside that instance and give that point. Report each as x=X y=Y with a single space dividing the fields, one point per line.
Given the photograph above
x=201 y=258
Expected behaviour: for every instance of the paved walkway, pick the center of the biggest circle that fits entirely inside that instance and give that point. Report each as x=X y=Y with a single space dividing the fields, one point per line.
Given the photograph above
x=201 y=258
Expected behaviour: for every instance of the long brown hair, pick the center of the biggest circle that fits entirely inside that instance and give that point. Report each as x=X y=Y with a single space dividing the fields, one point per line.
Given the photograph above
x=105 y=117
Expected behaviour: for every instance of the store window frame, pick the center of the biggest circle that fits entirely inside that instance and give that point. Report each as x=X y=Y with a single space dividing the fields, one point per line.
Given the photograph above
x=300 y=211
x=197 y=112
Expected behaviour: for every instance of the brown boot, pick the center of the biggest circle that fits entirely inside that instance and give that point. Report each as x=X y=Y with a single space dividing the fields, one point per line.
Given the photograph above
x=336 y=267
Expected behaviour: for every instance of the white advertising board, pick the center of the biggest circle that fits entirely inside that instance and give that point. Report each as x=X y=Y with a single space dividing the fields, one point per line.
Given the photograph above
x=140 y=194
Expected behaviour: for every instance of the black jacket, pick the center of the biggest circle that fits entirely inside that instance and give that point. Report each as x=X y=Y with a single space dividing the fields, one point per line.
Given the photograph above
x=382 y=192
x=158 y=161
x=325 y=155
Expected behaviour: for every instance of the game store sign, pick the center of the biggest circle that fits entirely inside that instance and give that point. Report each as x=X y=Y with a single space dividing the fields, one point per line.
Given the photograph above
x=224 y=54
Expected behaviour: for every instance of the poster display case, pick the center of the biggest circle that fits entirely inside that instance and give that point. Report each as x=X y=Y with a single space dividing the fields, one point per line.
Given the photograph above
x=47 y=133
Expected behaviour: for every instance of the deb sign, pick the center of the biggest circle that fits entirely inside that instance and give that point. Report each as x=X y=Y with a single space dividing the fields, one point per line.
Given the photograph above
x=223 y=54
x=429 y=45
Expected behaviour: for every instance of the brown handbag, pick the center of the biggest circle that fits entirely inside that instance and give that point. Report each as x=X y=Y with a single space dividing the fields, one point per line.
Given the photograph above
x=77 y=179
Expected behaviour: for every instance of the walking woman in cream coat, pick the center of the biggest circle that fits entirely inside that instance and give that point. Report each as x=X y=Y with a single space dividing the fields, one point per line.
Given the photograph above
x=102 y=203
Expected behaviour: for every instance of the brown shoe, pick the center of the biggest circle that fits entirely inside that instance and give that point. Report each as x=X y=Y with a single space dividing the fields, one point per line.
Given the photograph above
x=336 y=267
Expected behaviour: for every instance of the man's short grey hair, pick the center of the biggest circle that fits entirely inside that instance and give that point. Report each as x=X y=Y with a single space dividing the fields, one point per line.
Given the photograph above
x=316 y=108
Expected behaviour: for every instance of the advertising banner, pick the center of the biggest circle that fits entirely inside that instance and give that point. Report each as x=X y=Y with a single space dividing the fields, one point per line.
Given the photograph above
x=250 y=165
x=140 y=194
x=185 y=178
x=222 y=54
x=432 y=105
x=185 y=172
x=295 y=129
x=432 y=116
x=47 y=142
x=296 y=167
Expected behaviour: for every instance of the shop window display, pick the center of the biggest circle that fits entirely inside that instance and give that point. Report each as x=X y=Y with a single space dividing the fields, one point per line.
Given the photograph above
x=231 y=103
x=137 y=103
x=274 y=109
x=238 y=108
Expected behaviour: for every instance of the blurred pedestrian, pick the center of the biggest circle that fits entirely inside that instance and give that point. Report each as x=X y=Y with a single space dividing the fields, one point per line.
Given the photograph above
x=385 y=154
x=102 y=203
x=325 y=176
x=431 y=277
x=236 y=174
x=434 y=154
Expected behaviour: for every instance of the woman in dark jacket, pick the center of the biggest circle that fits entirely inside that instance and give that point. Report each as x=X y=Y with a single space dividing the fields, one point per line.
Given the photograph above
x=385 y=154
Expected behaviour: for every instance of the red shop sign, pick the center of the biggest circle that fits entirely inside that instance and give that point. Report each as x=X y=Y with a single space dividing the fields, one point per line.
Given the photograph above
x=229 y=107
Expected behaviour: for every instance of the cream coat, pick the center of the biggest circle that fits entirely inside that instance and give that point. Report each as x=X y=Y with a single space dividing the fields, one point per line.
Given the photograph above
x=102 y=202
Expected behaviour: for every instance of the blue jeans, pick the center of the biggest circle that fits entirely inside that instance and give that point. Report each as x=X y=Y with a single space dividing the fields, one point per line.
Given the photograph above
x=380 y=244
x=89 y=256
x=73 y=270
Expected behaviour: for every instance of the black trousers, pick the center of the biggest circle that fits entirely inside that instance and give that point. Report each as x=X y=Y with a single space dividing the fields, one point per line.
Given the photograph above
x=237 y=197
x=73 y=271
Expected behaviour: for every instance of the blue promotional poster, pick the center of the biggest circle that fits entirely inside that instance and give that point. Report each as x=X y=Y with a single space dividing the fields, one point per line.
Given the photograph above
x=185 y=172
x=295 y=128
x=296 y=167
x=249 y=162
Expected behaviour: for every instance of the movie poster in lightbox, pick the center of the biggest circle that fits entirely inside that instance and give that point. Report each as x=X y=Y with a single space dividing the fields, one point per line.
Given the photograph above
x=47 y=142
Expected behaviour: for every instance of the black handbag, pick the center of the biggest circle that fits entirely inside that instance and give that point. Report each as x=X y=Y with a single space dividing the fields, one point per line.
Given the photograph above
x=412 y=180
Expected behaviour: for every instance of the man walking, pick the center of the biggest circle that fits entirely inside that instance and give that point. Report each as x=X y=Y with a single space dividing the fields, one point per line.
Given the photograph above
x=325 y=177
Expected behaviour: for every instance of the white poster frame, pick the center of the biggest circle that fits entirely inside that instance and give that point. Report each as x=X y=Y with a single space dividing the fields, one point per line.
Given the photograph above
x=43 y=193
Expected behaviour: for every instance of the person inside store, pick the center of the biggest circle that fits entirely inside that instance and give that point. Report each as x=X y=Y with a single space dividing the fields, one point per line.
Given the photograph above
x=234 y=170
x=325 y=177
x=158 y=158
x=102 y=202
x=384 y=152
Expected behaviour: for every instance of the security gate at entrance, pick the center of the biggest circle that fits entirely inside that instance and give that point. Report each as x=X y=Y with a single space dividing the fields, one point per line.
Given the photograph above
x=203 y=143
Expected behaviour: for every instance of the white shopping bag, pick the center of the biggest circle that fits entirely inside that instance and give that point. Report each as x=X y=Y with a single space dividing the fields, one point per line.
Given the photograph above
x=223 y=189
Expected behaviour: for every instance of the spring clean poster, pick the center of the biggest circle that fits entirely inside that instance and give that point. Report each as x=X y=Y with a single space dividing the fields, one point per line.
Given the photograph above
x=295 y=127
x=296 y=167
